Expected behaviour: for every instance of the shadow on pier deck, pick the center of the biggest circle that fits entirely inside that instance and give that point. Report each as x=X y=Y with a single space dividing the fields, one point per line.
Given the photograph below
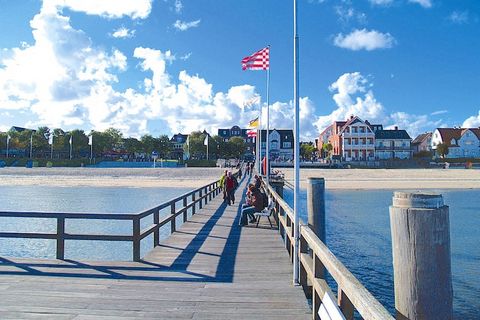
x=209 y=269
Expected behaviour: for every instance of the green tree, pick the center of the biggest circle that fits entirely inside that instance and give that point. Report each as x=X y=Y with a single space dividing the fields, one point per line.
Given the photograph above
x=114 y=138
x=442 y=150
x=40 y=140
x=327 y=149
x=197 y=148
x=132 y=145
x=148 y=143
x=307 y=150
x=236 y=147
x=79 y=141
x=164 y=146
x=219 y=147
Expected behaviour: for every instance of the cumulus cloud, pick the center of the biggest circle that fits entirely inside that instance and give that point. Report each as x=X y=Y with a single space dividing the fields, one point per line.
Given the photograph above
x=472 y=122
x=413 y=124
x=184 y=25
x=364 y=40
x=135 y=9
x=178 y=6
x=347 y=14
x=123 y=32
x=423 y=3
x=353 y=96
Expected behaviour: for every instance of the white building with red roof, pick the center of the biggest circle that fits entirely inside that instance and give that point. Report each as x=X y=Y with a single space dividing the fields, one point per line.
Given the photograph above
x=461 y=142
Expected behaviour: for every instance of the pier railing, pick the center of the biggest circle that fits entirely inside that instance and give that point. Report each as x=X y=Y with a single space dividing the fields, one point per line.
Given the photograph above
x=315 y=258
x=193 y=199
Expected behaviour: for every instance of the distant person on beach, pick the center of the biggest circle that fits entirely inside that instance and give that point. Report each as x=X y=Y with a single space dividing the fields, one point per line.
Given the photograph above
x=240 y=173
x=247 y=169
x=255 y=205
x=251 y=168
x=230 y=186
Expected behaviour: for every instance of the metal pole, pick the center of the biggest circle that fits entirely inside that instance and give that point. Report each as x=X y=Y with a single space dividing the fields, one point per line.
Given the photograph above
x=259 y=166
x=267 y=153
x=51 y=150
x=31 y=144
x=91 y=152
x=8 y=144
x=296 y=138
x=71 y=142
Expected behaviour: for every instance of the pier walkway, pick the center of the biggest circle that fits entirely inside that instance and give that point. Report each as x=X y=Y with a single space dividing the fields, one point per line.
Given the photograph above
x=210 y=268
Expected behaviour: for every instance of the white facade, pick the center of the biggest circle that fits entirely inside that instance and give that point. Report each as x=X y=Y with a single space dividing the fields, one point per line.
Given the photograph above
x=463 y=143
x=358 y=142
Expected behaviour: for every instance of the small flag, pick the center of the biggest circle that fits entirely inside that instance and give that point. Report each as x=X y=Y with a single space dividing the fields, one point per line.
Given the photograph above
x=253 y=123
x=8 y=138
x=260 y=60
x=251 y=133
x=70 y=141
x=90 y=140
x=50 y=139
x=205 y=142
x=188 y=141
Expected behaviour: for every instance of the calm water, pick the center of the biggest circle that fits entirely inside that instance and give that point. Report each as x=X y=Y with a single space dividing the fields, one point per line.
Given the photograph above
x=358 y=232
x=79 y=199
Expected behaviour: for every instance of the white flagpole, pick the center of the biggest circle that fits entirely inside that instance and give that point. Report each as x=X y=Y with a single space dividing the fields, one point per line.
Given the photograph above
x=71 y=147
x=267 y=153
x=259 y=166
x=296 y=206
x=51 y=148
x=91 y=147
x=8 y=143
x=31 y=144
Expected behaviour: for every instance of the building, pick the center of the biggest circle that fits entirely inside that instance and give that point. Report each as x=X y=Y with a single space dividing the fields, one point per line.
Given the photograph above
x=351 y=140
x=461 y=142
x=236 y=131
x=281 y=144
x=178 y=141
x=392 y=144
x=422 y=143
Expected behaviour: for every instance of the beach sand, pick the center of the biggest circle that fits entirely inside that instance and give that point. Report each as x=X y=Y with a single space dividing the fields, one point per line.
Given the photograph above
x=197 y=177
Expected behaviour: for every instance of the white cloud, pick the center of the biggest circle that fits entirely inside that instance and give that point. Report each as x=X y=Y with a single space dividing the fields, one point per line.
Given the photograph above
x=123 y=32
x=413 y=124
x=436 y=113
x=186 y=56
x=178 y=6
x=381 y=2
x=423 y=3
x=364 y=40
x=135 y=9
x=183 y=25
x=459 y=17
x=346 y=14
x=472 y=122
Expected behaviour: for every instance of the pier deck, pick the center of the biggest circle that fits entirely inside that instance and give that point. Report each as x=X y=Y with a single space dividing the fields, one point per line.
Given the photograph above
x=209 y=269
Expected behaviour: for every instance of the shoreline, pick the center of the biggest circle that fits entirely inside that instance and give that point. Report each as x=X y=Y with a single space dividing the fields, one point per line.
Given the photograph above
x=335 y=179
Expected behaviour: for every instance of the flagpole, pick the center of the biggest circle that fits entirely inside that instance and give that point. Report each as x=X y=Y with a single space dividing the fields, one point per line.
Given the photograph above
x=8 y=143
x=51 y=148
x=31 y=144
x=259 y=166
x=296 y=206
x=267 y=151
x=71 y=147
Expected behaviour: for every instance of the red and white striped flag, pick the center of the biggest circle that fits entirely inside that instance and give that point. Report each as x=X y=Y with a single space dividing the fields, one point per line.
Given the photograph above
x=251 y=133
x=260 y=60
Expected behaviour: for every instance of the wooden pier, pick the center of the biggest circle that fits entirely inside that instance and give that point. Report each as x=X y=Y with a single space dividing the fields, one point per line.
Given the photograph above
x=209 y=268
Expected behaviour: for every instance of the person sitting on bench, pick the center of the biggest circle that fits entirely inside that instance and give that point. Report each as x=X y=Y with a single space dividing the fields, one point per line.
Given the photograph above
x=256 y=205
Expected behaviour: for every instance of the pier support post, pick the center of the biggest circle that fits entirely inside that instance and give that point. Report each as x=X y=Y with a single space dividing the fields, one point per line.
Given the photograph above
x=60 y=238
x=316 y=206
x=277 y=185
x=136 y=239
x=421 y=256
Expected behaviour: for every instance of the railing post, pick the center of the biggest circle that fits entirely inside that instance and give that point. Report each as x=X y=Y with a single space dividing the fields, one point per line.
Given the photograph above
x=421 y=256
x=194 y=207
x=173 y=221
x=136 y=239
x=156 y=233
x=316 y=206
x=319 y=273
x=206 y=198
x=200 y=198
x=210 y=193
x=185 y=213
x=303 y=276
x=60 y=238
x=345 y=305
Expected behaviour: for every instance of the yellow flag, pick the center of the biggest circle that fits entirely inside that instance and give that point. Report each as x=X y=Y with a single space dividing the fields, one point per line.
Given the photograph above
x=253 y=123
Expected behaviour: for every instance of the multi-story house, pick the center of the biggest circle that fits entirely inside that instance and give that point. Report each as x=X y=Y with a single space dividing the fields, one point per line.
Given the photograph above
x=178 y=141
x=461 y=142
x=236 y=131
x=422 y=143
x=281 y=144
x=390 y=144
x=352 y=140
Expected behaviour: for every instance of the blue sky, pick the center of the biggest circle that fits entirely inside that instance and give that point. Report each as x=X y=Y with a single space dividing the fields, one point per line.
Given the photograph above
x=169 y=66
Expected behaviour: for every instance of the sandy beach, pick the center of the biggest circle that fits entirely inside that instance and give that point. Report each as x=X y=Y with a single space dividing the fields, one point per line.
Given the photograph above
x=197 y=177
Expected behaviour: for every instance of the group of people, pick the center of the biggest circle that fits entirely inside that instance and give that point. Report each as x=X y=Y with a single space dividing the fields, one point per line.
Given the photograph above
x=228 y=183
x=255 y=199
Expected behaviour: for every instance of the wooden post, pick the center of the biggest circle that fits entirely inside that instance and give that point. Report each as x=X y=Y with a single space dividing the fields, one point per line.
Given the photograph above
x=201 y=199
x=421 y=256
x=206 y=198
x=156 y=233
x=60 y=238
x=136 y=239
x=194 y=207
x=185 y=213
x=210 y=193
x=316 y=206
x=173 y=221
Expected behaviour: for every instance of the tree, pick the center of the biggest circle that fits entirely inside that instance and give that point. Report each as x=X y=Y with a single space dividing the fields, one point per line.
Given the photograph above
x=327 y=148
x=132 y=145
x=40 y=140
x=237 y=147
x=197 y=148
x=307 y=150
x=148 y=143
x=219 y=147
x=164 y=146
x=79 y=141
x=442 y=150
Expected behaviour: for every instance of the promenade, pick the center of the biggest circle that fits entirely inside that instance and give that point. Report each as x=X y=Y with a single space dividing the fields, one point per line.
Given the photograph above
x=209 y=269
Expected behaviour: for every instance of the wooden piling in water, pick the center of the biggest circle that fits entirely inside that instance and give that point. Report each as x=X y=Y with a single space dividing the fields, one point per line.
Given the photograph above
x=316 y=206
x=421 y=256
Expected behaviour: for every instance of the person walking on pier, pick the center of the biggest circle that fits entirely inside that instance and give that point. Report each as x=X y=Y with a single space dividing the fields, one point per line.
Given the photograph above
x=230 y=184
x=222 y=181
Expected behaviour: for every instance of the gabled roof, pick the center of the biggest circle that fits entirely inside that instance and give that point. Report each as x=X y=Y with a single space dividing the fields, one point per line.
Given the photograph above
x=392 y=134
x=422 y=137
x=448 y=134
x=476 y=131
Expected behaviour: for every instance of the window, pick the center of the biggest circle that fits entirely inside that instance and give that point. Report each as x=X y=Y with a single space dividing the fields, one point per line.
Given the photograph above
x=287 y=145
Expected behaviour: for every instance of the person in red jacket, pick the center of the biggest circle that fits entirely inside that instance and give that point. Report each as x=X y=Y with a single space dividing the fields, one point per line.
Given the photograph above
x=230 y=185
